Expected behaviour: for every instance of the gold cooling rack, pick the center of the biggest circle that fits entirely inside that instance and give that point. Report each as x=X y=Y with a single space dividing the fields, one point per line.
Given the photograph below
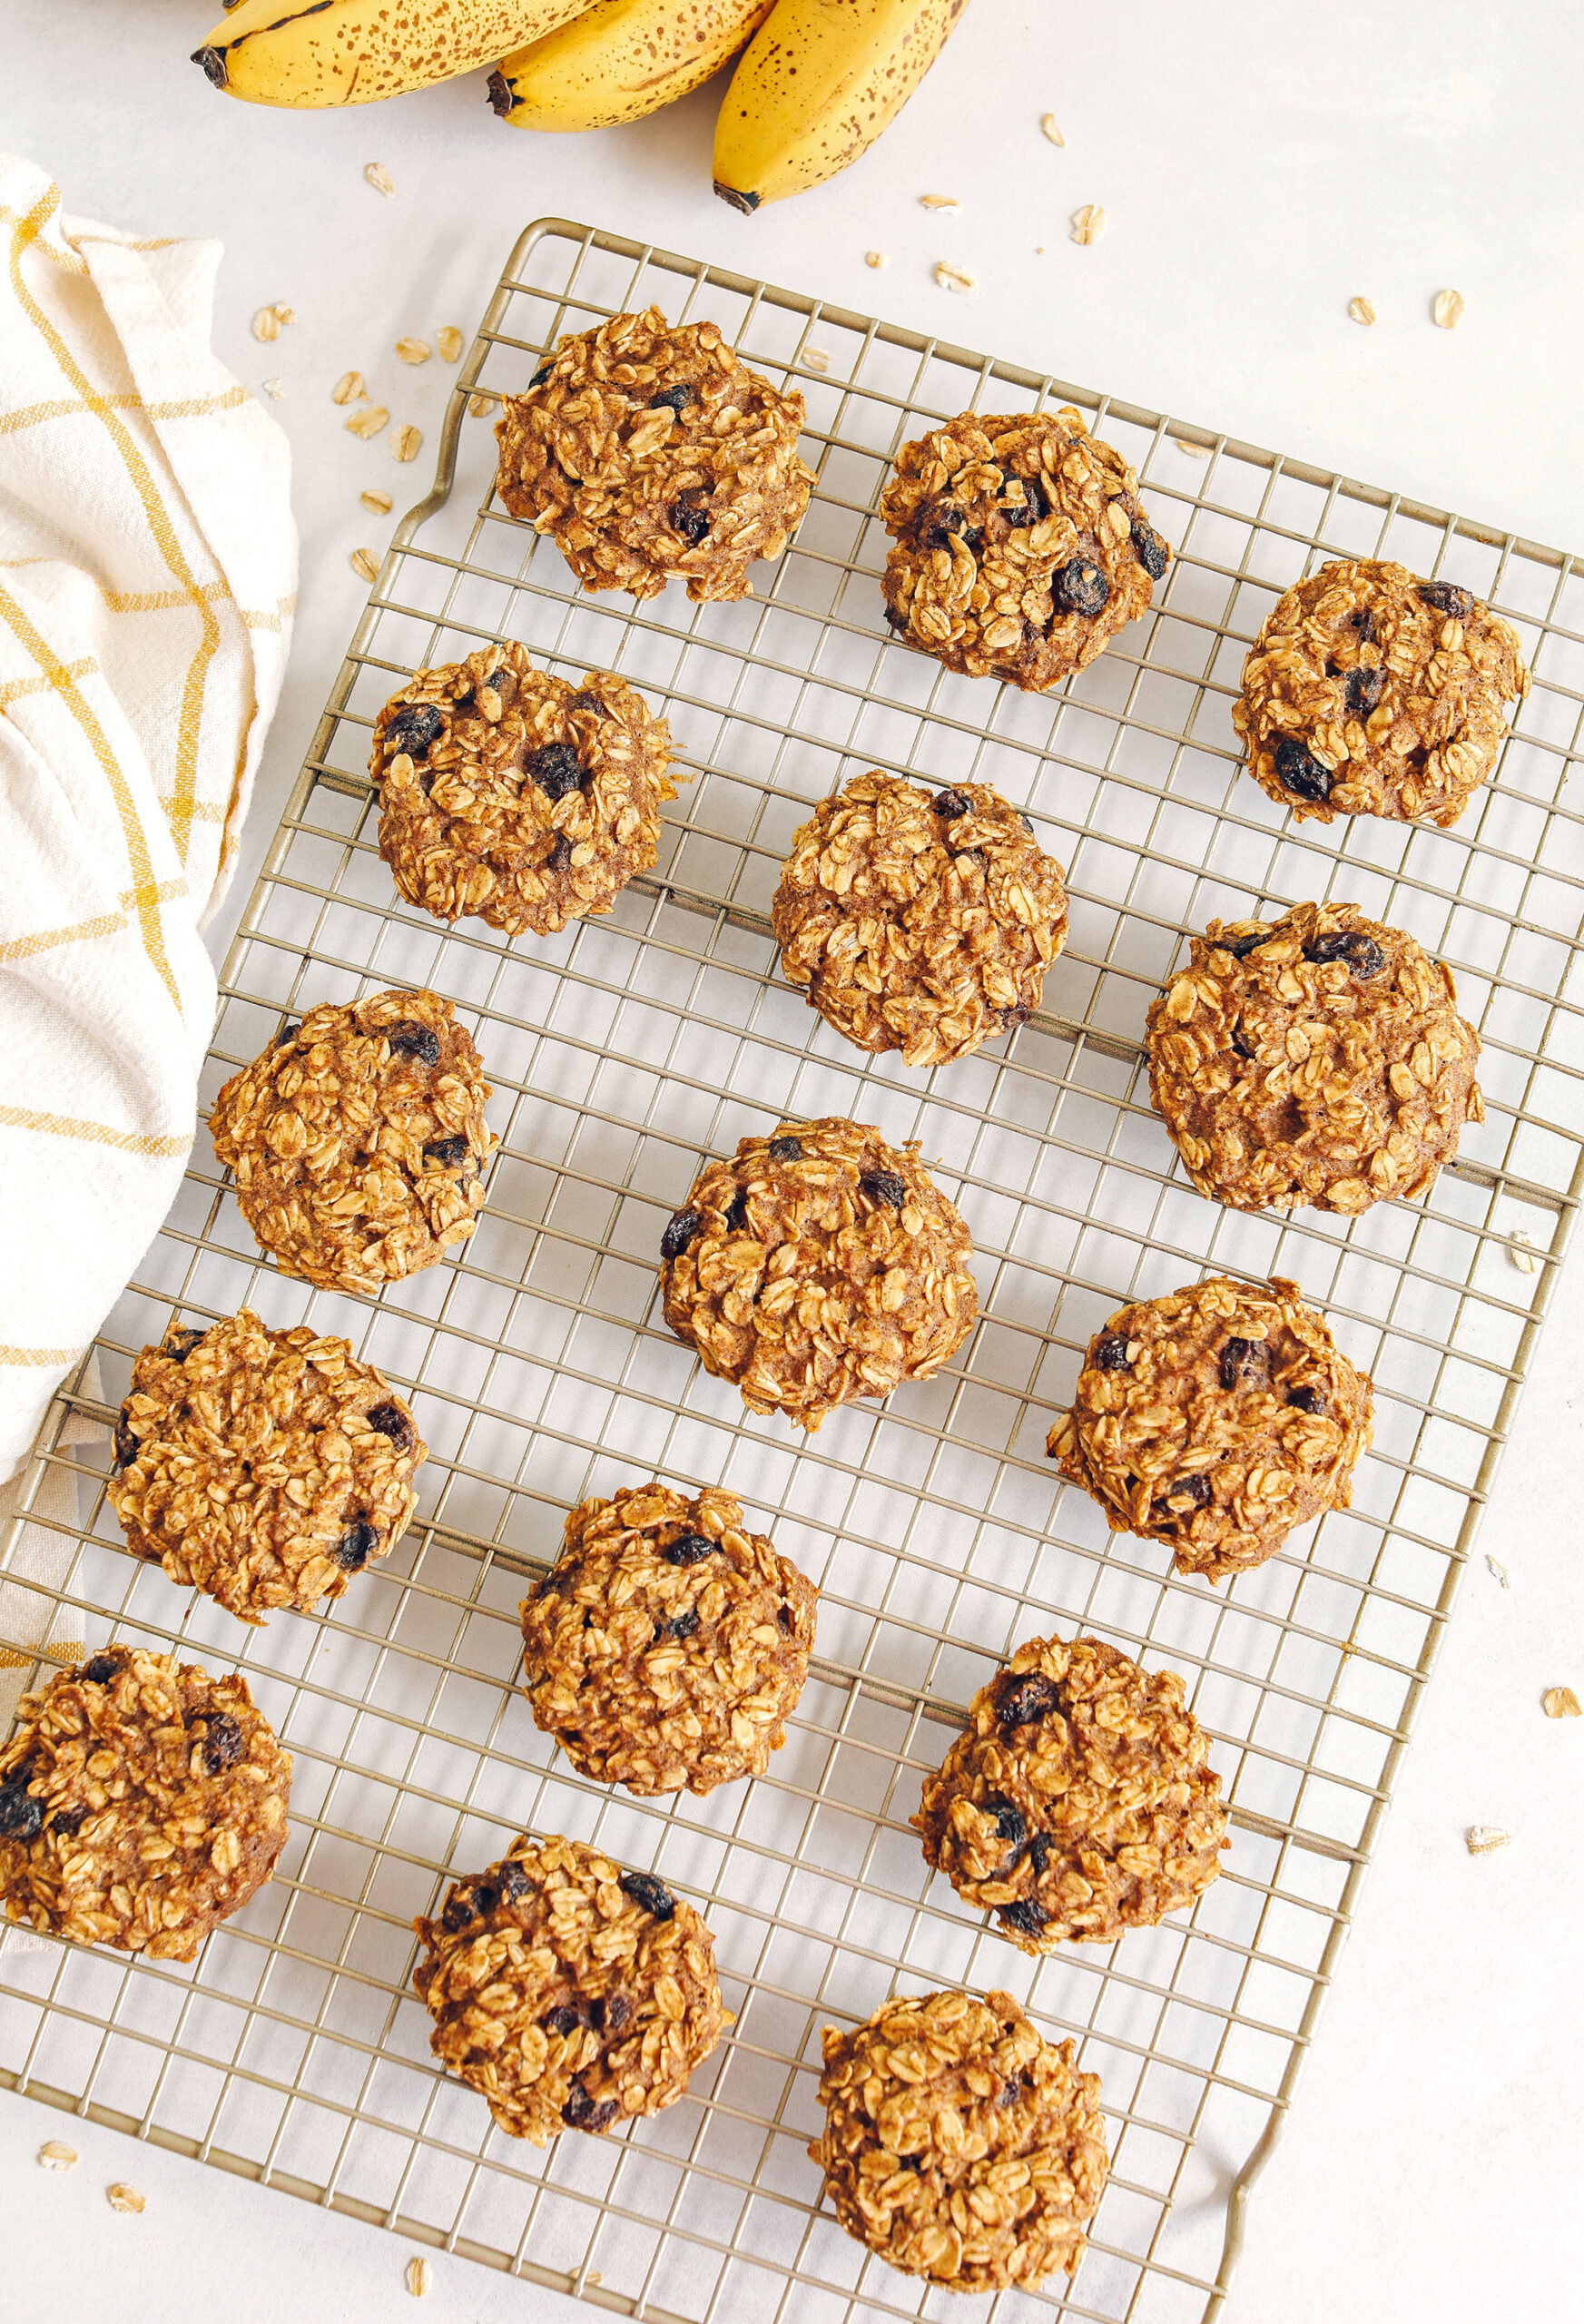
x=540 y=1370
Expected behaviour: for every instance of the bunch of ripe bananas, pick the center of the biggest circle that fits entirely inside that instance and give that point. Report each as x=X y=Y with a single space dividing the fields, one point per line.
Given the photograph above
x=815 y=84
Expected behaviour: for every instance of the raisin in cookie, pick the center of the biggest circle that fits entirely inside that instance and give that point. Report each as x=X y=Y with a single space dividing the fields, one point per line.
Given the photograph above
x=1021 y=548
x=265 y=1468
x=919 y=920
x=1080 y=1802
x=667 y=1646
x=570 y=1992
x=1215 y=1419
x=818 y=1266
x=647 y=453
x=510 y=795
x=961 y=2145
x=1318 y=1058
x=357 y=1138
x=1371 y=693
x=140 y=1802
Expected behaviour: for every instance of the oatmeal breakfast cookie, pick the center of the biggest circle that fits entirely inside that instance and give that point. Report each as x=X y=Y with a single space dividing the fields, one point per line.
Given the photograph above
x=567 y=1991
x=1316 y=1058
x=1371 y=693
x=919 y=920
x=667 y=1646
x=1021 y=548
x=265 y=1468
x=961 y=2145
x=1080 y=1802
x=357 y=1138
x=140 y=1802
x=508 y=793
x=1215 y=1419
x=646 y=453
x=818 y=1266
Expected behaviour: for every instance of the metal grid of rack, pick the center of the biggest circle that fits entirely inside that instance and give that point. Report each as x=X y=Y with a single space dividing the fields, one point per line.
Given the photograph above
x=539 y=1368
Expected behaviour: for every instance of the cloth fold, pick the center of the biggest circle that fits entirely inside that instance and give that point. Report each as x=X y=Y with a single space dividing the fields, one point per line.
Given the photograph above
x=148 y=570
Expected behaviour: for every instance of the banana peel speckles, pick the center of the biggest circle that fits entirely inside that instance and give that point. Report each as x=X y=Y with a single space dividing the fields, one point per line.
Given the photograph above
x=815 y=87
x=352 y=52
x=620 y=60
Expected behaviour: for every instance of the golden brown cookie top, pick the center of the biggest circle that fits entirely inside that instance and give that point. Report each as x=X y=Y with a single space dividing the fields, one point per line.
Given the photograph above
x=667 y=1644
x=819 y=1265
x=265 y=1468
x=1080 y=1802
x=917 y=920
x=1021 y=545
x=140 y=1802
x=1215 y=1419
x=507 y=793
x=571 y=1992
x=1316 y=1058
x=1369 y=692
x=646 y=452
x=960 y=2144
x=357 y=1138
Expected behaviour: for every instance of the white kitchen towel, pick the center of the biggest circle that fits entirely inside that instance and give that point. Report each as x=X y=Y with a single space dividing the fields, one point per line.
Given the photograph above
x=148 y=569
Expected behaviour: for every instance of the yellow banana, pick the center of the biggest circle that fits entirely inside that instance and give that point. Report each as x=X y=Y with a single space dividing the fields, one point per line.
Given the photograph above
x=620 y=60
x=816 y=86
x=350 y=52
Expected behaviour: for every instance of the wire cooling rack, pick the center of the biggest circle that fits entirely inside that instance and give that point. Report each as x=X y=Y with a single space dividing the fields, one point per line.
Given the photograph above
x=540 y=1369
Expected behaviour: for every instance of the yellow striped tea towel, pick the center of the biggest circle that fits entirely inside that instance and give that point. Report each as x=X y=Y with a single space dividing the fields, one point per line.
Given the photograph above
x=148 y=566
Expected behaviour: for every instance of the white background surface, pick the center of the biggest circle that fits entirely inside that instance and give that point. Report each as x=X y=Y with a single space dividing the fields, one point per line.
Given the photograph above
x=1259 y=166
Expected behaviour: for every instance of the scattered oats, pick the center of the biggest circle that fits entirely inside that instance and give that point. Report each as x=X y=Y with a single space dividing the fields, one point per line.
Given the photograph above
x=413 y=351
x=349 y=389
x=952 y=277
x=123 y=2198
x=1498 y=1571
x=379 y=178
x=267 y=323
x=1557 y=1702
x=378 y=504
x=816 y=359
x=1362 y=310
x=369 y=423
x=1191 y=451
x=939 y=202
x=276 y=388
x=449 y=341
x=1089 y=224
x=1520 y=1250
x=1448 y=310
x=1484 y=1839
x=284 y=315
x=594 y=2277
x=406 y=442
x=479 y=405
x=875 y=258
x=364 y=564
x=56 y=2156
x=1047 y=123
x=419 y=2277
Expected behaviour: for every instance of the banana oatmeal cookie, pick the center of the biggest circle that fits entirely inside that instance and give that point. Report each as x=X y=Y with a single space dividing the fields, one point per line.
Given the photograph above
x=140 y=1802
x=647 y=453
x=1080 y=1802
x=919 y=920
x=357 y=1138
x=511 y=794
x=819 y=1265
x=1317 y=1059
x=1371 y=693
x=667 y=1646
x=961 y=2145
x=265 y=1468
x=1215 y=1419
x=568 y=1992
x=1021 y=548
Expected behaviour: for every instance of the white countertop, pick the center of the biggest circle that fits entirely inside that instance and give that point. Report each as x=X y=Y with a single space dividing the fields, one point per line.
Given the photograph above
x=1254 y=180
